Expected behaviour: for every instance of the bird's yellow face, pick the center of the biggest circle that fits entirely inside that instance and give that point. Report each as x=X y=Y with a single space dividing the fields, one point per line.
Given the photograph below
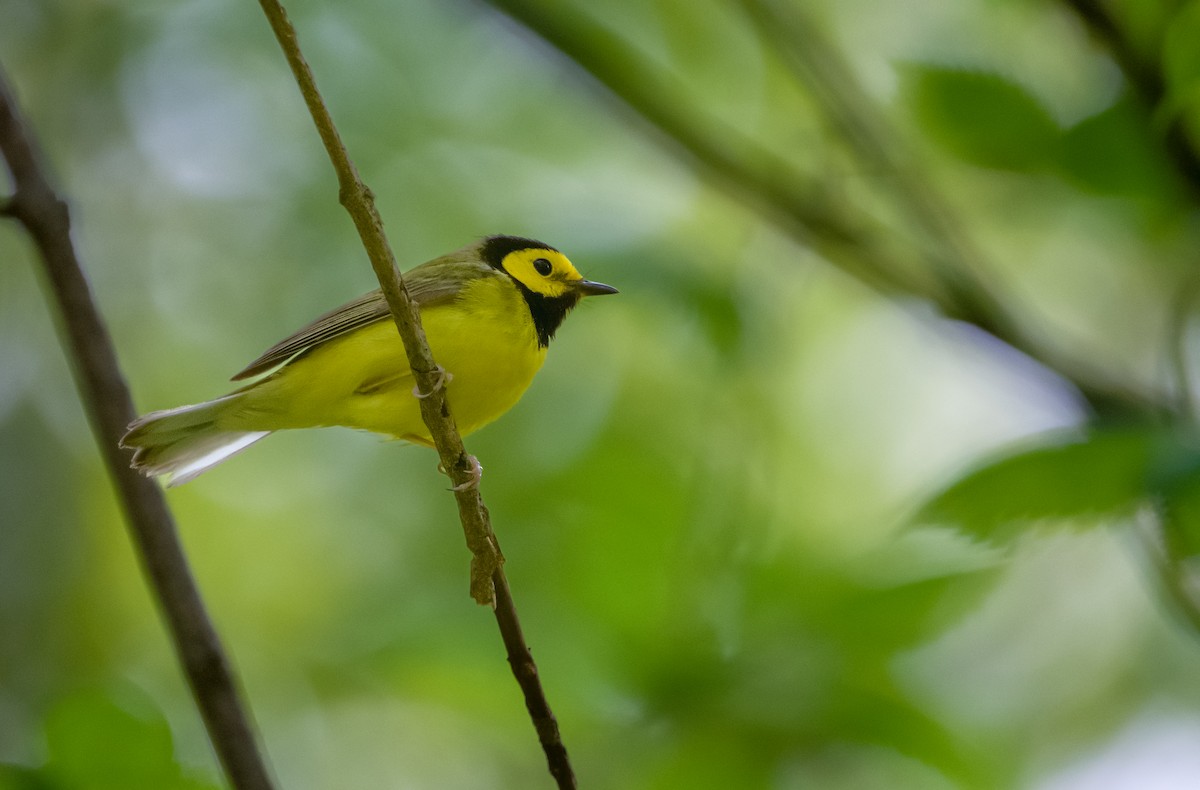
x=545 y=278
x=544 y=271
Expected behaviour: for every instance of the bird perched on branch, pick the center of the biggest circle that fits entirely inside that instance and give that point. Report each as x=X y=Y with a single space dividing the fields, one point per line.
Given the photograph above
x=489 y=312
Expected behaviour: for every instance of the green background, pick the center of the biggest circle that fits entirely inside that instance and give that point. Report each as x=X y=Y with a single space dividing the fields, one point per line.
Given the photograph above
x=755 y=525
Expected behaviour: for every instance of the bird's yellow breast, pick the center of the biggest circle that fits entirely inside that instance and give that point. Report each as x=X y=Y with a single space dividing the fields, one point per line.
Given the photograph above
x=485 y=338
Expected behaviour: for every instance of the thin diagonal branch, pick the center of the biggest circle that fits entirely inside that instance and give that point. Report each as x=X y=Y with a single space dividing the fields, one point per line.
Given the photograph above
x=109 y=407
x=488 y=582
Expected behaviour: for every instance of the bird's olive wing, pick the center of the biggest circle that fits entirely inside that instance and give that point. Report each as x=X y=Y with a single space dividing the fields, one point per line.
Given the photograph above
x=431 y=283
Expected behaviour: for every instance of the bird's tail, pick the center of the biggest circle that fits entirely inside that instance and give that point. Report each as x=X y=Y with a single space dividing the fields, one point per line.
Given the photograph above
x=186 y=441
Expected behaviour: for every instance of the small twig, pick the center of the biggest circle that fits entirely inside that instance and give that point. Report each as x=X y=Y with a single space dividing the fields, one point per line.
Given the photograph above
x=488 y=582
x=109 y=407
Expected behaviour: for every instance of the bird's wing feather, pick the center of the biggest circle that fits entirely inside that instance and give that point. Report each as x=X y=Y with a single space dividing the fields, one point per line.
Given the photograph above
x=435 y=282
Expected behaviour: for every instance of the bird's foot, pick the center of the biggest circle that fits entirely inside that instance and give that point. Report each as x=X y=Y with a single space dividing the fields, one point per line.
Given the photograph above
x=444 y=377
x=476 y=474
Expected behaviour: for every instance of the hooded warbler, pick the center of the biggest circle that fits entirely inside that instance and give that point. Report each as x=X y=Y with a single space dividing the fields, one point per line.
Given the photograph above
x=489 y=311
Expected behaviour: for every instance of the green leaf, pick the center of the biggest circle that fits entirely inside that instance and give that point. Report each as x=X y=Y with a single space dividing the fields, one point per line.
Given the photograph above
x=1114 y=152
x=1102 y=473
x=983 y=118
x=96 y=743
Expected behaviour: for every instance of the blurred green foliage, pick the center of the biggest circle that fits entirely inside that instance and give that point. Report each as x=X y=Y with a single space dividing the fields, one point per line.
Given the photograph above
x=765 y=527
x=1106 y=473
x=984 y=118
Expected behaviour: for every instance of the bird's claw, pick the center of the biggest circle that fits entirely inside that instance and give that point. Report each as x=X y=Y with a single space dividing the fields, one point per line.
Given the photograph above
x=476 y=474
x=444 y=377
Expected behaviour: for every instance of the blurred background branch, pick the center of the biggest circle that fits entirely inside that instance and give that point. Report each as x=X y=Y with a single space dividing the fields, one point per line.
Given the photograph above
x=942 y=267
x=109 y=406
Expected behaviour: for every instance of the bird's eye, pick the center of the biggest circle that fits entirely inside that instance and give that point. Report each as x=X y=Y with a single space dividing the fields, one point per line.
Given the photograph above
x=542 y=266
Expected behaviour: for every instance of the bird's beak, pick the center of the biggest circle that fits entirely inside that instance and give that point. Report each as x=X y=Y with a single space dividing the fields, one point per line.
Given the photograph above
x=589 y=288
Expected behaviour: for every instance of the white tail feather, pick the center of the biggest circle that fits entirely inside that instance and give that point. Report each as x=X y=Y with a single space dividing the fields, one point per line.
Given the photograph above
x=187 y=441
x=232 y=443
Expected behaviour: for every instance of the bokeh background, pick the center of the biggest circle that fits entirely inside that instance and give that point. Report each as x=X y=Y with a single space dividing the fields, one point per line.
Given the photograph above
x=780 y=515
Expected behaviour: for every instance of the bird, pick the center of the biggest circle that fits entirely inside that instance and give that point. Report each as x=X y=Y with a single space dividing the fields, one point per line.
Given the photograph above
x=489 y=311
